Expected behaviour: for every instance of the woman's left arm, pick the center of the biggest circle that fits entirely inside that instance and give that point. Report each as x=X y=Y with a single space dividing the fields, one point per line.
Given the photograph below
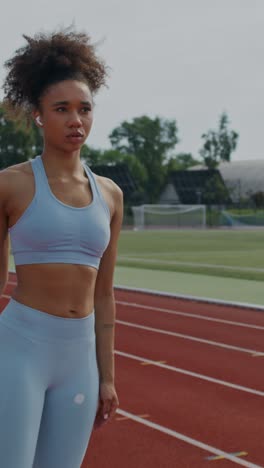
x=105 y=312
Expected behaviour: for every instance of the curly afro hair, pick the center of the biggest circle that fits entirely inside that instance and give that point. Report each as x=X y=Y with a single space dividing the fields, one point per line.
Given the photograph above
x=47 y=59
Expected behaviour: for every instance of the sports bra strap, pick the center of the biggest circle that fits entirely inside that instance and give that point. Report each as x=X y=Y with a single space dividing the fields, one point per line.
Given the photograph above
x=96 y=187
x=40 y=183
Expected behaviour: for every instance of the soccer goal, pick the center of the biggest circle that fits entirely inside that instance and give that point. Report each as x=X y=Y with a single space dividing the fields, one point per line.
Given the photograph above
x=169 y=216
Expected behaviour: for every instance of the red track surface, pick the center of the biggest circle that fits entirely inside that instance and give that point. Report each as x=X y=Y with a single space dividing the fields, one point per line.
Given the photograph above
x=212 y=390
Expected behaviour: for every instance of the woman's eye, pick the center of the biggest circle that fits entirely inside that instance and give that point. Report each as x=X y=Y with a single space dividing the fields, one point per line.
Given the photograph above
x=86 y=110
x=61 y=109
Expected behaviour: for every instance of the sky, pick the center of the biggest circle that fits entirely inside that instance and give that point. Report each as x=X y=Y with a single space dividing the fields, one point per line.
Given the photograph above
x=187 y=60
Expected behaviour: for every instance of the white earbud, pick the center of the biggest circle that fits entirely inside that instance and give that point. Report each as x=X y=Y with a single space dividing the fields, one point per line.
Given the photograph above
x=38 y=120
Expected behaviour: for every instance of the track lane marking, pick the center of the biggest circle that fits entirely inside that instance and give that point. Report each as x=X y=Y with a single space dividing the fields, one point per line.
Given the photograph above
x=125 y=418
x=188 y=314
x=189 y=337
x=187 y=439
x=192 y=374
x=221 y=457
x=150 y=364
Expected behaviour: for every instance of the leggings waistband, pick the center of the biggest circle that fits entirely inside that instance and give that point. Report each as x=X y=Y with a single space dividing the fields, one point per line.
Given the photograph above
x=36 y=323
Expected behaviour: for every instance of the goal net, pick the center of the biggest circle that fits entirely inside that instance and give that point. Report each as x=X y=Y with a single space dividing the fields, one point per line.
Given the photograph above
x=243 y=220
x=169 y=216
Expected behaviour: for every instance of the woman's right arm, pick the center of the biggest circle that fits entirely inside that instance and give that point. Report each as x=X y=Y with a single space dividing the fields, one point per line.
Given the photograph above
x=4 y=237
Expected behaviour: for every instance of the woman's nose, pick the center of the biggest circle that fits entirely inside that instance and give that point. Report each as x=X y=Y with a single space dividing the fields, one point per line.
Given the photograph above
x=75 y=120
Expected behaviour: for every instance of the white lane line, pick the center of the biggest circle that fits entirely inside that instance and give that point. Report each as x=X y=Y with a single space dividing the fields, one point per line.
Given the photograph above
x=189 y=297
x=187 y=314
x=191 y=264
x=189 y=337
x=191 y=374
x=188 y=440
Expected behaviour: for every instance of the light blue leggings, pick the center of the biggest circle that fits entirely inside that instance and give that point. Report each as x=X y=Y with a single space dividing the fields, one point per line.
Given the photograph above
x=49 y=388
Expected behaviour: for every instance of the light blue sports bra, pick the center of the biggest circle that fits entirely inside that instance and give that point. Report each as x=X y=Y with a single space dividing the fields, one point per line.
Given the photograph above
x=51 y=232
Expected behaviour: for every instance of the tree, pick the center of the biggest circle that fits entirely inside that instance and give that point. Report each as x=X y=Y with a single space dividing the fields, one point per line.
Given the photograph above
x=218 y=145
x=181 y=162
x=91 y=155
x=37 y=147
x=215 y=192
x=18 y=142
x=150 y=141
x=258 y=199
x=94 y=156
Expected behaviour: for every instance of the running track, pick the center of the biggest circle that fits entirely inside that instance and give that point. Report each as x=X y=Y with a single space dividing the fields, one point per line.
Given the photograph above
x=190 y=380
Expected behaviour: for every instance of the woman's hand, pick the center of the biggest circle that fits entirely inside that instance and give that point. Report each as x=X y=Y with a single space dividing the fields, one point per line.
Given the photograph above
x=107 y=404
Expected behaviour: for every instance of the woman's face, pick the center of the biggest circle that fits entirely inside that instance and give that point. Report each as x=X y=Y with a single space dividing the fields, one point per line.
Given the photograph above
x=66 y=113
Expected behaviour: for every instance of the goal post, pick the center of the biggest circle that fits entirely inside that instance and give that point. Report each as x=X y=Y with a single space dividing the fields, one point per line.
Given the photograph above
x=169 y=216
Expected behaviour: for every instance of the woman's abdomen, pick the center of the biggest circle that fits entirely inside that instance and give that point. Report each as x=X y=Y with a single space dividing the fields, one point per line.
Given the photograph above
x=60 y=289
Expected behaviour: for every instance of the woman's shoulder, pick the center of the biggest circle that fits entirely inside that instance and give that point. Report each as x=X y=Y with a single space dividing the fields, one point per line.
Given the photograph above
x=111 y=192
x=16 y=170
x=109 y=185
x=12 y=177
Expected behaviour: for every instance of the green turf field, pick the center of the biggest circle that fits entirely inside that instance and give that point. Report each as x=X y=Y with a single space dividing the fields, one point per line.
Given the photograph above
x=188 y=284
x=224 y=253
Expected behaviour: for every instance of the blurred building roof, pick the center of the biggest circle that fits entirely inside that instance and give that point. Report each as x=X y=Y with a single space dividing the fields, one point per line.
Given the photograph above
x=242 y=178
x=120 y=174
x=195 y=187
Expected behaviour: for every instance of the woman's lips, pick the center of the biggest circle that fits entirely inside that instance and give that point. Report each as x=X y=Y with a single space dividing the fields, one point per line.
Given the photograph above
x=75 y=137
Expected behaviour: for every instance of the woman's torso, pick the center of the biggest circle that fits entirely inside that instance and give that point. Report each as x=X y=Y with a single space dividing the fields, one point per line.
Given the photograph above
x=61 y=289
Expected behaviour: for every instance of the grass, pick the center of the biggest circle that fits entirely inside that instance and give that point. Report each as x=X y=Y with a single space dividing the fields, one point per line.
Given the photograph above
x=224 y=253
x=214 y=287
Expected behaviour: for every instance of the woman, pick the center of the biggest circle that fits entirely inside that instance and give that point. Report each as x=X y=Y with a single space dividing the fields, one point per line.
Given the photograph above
x=57 y=331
